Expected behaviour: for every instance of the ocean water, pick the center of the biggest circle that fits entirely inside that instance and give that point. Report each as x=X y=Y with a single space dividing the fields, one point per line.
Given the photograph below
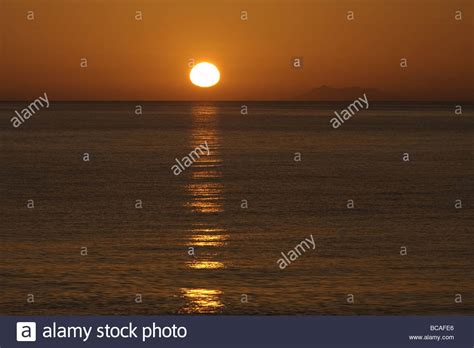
x=234 y=268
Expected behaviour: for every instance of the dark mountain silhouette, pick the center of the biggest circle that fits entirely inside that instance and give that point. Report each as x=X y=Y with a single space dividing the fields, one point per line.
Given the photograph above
x=327 y=93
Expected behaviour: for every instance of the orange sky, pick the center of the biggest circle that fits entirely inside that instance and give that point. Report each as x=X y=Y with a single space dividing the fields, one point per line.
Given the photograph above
x=148 y=59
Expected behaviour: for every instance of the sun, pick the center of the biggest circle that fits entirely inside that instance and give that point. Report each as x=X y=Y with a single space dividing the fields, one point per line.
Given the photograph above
x=205 y=75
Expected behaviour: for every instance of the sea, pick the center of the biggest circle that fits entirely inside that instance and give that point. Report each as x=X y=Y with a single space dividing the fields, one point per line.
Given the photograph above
x=95 y=222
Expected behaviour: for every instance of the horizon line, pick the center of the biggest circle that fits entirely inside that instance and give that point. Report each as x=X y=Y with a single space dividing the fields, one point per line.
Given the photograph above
x=237 y=101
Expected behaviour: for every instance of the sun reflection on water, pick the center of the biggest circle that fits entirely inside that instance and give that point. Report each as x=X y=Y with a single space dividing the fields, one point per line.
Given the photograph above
x=196 y=264
x=202 y=300
x=206 y=197
x=216 y=240
x=205 y=200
